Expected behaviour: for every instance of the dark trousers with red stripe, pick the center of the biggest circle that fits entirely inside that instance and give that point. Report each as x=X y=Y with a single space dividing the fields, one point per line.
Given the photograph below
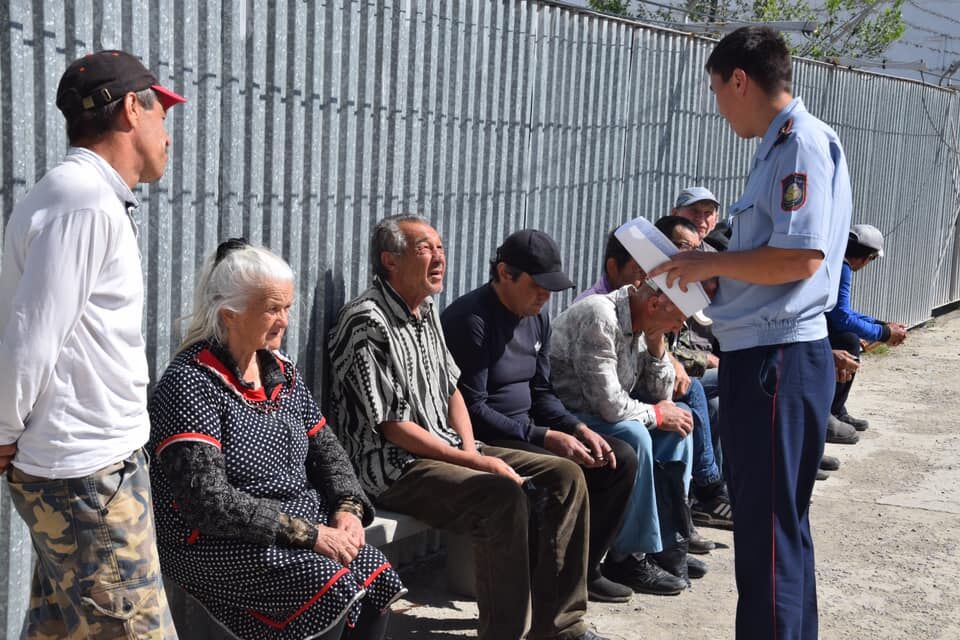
x=775 y=400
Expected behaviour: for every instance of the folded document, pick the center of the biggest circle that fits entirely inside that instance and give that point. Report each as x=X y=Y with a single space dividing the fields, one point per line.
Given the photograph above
x=650 y=248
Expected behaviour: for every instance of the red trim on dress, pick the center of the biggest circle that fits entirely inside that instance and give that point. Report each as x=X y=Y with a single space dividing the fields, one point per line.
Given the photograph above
x=317 y=427
x=299 y=612
x=190 y=436
x=193 y=537
x=377 y=572
x=207 y=359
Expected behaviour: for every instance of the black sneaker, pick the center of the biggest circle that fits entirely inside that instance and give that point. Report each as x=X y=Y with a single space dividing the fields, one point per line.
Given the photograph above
x=696 y=569
x=857 y=423
x=840 y=432
x=601 y=589
x=643 y=576
x=829 y=463
x=713 y=513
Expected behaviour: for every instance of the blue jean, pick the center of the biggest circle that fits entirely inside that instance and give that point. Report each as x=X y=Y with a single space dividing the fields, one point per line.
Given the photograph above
x=711 y=387
x=705 y=469
x=640 y=532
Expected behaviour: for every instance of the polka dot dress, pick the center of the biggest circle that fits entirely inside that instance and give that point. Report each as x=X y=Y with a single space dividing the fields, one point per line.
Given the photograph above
x=256 y=591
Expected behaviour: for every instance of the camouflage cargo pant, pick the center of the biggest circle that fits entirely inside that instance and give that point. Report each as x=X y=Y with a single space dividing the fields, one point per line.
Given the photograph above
x=97 y=573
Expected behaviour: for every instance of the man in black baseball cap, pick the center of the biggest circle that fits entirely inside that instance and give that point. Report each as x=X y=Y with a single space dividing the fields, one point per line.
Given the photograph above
x=535 y=253
x=73 y=410
x=499 y=336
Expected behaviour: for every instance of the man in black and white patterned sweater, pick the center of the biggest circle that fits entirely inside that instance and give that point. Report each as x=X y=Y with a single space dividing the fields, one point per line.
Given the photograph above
x=406 y=427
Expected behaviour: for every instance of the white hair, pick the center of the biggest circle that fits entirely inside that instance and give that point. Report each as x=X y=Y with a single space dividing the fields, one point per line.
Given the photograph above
x=229 y=283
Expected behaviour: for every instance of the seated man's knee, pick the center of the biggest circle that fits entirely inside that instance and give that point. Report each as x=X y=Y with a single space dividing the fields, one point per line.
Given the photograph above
x=499 y=496
x=634 y=433
x=625 y=454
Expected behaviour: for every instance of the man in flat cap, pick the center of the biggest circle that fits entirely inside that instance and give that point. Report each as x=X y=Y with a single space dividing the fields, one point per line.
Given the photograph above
x=73 y=411
x=846 y=328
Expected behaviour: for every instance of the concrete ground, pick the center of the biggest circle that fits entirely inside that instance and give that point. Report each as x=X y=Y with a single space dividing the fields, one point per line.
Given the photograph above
x=886 y=525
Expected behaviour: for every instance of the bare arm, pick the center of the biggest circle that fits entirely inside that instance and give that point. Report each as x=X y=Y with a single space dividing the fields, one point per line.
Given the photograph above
x=423 y=444
x=413 y=438
x=764 y=265
x=459 y=419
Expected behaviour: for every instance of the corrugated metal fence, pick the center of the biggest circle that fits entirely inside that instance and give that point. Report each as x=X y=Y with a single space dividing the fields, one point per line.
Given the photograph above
x=308 y=121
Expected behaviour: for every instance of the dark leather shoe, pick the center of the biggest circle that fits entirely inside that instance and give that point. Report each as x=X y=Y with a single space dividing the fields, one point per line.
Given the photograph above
x=592 y=635
x=698 y=544
x=857 y=423
x=840 y=432
x=643 y=576
x=696 y=569
x=602 y=589
x=829 y=463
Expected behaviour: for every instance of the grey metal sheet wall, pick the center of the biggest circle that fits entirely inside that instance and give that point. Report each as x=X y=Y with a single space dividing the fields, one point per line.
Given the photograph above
x=308 y=121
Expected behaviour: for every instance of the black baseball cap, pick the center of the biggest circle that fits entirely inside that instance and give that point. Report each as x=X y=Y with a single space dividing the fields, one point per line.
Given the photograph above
x=536 y=254
x=97 y=79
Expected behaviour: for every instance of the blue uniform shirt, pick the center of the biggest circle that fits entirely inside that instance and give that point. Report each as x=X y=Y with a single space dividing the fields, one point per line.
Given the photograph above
x=797 y=197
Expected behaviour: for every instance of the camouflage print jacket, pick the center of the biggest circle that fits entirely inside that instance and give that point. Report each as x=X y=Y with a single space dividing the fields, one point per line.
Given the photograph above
x=692 y=346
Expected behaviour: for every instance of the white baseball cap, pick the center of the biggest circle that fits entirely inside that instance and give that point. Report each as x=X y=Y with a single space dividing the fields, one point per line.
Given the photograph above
x=692 y=195
x=868 y=236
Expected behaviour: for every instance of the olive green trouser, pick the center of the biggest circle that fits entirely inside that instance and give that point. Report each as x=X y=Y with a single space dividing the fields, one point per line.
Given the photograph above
x=530 y=543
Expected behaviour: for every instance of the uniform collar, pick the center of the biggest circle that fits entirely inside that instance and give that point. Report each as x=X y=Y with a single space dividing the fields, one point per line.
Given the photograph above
x=773 y=131
x=82 y=154
x=397 y=306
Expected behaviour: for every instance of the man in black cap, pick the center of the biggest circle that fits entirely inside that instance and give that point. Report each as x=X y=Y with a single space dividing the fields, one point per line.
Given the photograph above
x=499 y=335
x=73 y=412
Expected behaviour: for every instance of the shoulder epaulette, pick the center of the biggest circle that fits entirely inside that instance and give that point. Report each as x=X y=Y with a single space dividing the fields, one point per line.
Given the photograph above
x=784 y=132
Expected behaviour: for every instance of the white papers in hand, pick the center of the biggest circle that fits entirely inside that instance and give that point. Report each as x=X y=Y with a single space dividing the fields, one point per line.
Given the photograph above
x=650 y=248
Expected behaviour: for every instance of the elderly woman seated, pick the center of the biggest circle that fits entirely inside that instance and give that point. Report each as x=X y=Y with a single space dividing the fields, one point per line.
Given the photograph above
x=258 y=512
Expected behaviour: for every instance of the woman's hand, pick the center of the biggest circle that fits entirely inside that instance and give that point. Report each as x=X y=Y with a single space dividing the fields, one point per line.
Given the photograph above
x=336 y=544
x=351 y=525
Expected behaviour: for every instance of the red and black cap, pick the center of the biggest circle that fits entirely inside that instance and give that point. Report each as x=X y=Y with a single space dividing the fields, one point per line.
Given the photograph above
x=97 y=79
x=535 y=253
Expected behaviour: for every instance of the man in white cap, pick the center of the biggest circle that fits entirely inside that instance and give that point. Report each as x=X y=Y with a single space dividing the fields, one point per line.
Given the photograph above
x=847 y=327
x=701 y=207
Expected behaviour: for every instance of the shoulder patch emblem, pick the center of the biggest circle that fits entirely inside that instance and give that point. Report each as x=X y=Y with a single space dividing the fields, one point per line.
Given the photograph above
x=794 y=194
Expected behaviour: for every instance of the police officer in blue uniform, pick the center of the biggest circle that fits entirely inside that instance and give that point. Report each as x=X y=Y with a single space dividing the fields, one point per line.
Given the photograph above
x=777 y=376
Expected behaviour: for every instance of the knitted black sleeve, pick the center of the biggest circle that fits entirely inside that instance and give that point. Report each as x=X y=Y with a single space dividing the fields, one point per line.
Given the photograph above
x=330 y=471
x=207 y=501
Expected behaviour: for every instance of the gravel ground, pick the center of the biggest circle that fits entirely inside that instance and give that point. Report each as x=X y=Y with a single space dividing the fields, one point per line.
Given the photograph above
x=886 y=525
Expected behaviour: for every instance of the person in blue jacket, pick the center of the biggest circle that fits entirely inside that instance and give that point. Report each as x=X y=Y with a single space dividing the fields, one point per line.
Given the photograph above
x=847 y=328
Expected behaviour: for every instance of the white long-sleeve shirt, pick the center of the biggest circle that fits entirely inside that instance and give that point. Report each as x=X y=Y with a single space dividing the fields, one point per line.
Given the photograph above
x=73 y=394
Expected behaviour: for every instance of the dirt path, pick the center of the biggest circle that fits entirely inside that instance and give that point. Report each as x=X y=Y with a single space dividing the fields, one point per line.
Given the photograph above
x=886 y=525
